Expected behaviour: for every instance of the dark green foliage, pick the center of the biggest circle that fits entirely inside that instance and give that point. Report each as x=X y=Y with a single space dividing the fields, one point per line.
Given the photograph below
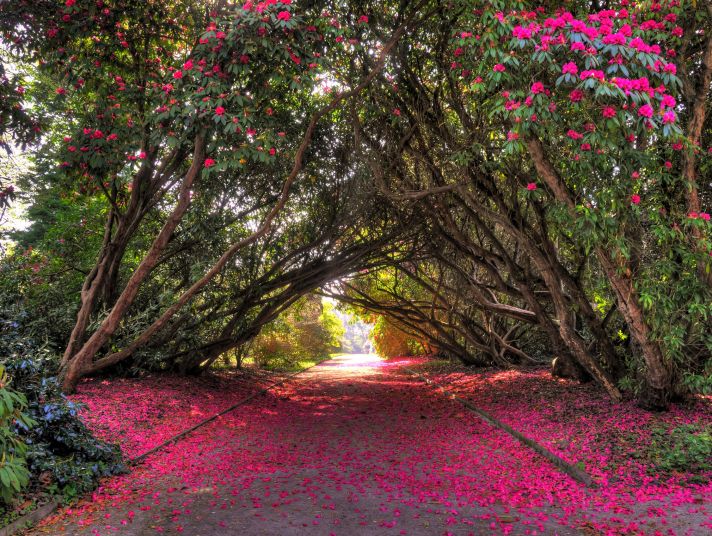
x=14 y=475
x=60 y=449
x=687 y=448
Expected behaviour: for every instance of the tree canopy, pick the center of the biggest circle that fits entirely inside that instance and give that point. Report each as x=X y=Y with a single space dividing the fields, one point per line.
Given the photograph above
x=503 y=182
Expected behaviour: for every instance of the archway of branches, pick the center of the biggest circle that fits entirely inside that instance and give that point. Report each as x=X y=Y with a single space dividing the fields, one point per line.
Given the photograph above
x=491 y=192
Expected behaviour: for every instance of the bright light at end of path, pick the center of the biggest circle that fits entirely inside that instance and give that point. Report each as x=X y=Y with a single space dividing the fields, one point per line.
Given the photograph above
x=355 y=361
x=359 y=362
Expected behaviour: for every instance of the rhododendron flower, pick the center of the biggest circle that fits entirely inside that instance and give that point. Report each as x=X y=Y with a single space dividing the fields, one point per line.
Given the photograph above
x=705 y=216
x=593 y=73
x=363 y=19
x=284 y=15
x=511 y=136
x=635 y=199
x=531 y=186
x=60 y=91
x=615 y=39
x=574 y=135
x=576 y=95
x=585 y=146
x=635 y=175
x=668 y=164
x=499 y=68
x=178 y=75
x=537 y=87
x=188 y=65
x=670 y=68
x=669 y=117
x=209 y=162
x=219 y=110
x=522 y=33
x=569 y=68
x=668 y=101
x=646 y=111
x=609 y=111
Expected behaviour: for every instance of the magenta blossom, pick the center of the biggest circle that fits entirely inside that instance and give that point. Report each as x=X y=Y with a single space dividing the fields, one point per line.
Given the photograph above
x=537 y=87
x=569 y=68
x=646 y=111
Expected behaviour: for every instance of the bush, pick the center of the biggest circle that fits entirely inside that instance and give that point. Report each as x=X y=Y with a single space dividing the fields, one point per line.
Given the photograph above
x=390 y=341
x=685 y=449
x=307 y=331
x=14 y=475
x=62 y=454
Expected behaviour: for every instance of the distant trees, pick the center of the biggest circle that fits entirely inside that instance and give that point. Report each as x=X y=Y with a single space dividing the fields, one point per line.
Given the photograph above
x=307 y=331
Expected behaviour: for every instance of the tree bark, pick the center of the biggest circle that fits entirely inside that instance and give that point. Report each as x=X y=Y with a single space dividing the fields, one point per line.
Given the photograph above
x=658 y=375
x=77 y=365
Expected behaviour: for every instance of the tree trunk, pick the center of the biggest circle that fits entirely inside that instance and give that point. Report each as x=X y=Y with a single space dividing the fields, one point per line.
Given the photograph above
x=698 y=112
x=657 y=375
x=76 y=365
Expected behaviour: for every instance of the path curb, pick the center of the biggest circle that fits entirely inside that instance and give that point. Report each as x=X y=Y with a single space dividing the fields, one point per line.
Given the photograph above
x=29 y=519
x=138 y=459
x=564 y=466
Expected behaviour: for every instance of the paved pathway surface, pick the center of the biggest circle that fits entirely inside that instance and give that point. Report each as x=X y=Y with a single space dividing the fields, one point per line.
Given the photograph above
x=351 y=447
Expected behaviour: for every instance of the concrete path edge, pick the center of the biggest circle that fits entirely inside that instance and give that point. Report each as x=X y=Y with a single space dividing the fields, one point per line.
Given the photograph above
x=574 y=472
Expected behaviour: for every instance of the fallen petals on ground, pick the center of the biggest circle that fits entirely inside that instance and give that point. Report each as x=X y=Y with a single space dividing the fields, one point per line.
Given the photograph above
x=358 y=446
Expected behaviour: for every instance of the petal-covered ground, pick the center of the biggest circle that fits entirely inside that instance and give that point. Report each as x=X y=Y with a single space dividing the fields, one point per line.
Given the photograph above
x=357 y=446
x=140 y=413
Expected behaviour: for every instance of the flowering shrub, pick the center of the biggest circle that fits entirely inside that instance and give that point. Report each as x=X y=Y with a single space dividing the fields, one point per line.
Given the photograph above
x=550 y=160
x=592 y=101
